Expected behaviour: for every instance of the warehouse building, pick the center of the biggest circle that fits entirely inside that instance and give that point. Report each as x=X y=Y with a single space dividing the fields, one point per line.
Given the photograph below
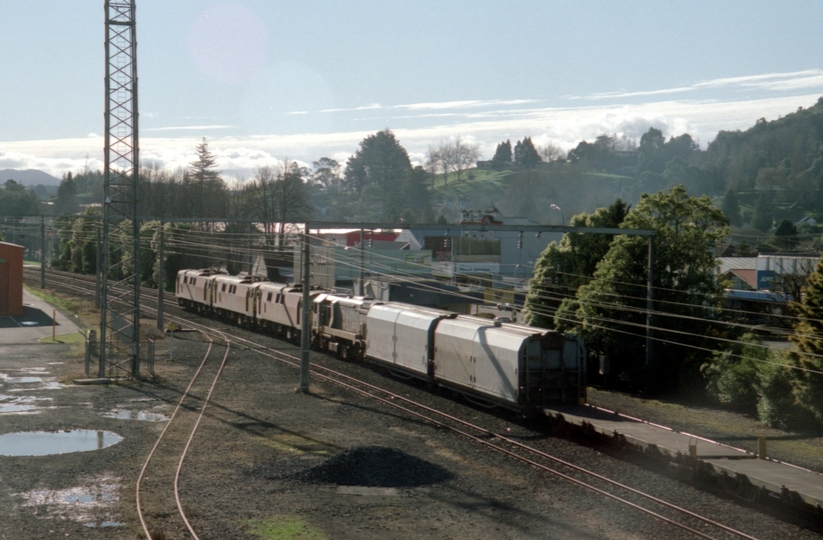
x=11 y=279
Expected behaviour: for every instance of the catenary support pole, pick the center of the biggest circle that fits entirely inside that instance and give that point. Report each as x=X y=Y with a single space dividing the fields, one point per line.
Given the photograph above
x=161 y=283
x=42 y=251
x=362 y=263
x=649 y=302
x=305 y=333
x=97 y=271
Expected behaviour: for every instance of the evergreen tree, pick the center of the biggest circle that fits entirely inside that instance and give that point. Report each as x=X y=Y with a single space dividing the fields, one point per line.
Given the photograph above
x=564 y=267
x=525 y=153
x=731 y=208
x=378 y=172
x=16 y=200
x=503 y=154
x=210 y=193
x=786 y=235
x=66 y=196
x=808 y=337
x=762 y=216
x=650 y=156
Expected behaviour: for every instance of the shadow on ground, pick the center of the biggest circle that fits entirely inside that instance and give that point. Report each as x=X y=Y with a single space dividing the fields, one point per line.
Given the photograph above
x=31 y=317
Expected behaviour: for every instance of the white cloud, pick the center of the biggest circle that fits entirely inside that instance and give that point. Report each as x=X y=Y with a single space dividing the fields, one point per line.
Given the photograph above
x=755 y=79
x=564 y=127
x=433 y=105
x=188 y=128
x=794 y=80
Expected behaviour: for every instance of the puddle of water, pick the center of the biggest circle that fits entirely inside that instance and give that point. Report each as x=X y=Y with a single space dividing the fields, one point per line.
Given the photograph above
x=21 y=404
x=51 y=385
x=87 y=497
x=24 y=380
x=364 y=490
x=43 y=443
x=29 y=323
x=103 y=524
x=89 y=504
x=147 y=416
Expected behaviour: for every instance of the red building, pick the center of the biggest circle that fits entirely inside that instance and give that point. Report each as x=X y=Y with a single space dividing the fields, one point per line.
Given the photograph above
x=11 y=279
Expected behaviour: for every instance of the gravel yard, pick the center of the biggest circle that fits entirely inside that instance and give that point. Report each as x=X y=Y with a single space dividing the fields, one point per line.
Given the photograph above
x=271 y=463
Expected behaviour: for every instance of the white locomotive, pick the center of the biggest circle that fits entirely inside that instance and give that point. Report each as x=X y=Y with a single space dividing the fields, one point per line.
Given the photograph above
x=508 y=364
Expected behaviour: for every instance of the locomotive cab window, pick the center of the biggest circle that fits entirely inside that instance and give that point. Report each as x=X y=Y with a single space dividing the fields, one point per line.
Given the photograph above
x=224 y=288
x=268 y=297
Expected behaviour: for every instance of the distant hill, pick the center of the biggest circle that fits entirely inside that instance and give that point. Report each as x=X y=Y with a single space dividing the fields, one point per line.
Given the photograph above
x=29 y=177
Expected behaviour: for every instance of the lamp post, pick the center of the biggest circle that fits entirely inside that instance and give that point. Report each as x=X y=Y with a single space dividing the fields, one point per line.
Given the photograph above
x=555 y=207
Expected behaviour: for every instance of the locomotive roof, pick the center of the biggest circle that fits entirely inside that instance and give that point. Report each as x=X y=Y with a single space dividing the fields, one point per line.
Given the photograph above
x=203 y=272
x=272 y=285
x=236 y=279
x=347 y=300
x=419 y=309
x=513 y=327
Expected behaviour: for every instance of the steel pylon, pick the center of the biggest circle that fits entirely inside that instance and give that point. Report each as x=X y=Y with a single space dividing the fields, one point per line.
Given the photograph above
x=120 y=257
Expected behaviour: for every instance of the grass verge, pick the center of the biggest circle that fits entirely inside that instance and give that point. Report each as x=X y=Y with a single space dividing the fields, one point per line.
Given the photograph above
x=84 y=310
x=284 y=528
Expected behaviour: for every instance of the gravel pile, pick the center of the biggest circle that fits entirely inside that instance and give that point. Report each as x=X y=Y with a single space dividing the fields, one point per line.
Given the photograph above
x=376 y=466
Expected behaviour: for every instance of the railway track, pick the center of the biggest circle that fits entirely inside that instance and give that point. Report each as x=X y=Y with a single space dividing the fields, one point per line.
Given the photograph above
x=156 y=509
x=178 y=443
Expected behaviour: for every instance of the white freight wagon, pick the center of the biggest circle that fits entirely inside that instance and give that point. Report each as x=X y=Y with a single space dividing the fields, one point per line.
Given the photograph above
x=402 y=336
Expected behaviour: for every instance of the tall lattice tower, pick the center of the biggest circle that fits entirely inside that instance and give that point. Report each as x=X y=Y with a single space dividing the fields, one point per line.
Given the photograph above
x=120 y=261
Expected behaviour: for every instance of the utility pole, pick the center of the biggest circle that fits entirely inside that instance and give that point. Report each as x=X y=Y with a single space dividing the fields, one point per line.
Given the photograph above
x=98 y=267
x=160 y=281
x=42 y=251
x=362 y=263
x=305 y=333
x=249 y=253
x=649 y=303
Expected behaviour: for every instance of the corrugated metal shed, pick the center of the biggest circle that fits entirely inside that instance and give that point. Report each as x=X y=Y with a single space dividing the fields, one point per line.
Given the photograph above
x=736 y=263
x=11 y=279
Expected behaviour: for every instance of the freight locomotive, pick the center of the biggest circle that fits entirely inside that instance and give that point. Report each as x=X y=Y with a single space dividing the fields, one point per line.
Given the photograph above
x=506 y=364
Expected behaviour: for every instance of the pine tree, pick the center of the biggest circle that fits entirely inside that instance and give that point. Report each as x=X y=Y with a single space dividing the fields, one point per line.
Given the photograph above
x=503 y=154
x=525 y=153
x=210 y=191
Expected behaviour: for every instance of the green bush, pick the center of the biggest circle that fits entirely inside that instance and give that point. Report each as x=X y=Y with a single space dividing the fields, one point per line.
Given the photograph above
x=778 y=406
x=732 y=375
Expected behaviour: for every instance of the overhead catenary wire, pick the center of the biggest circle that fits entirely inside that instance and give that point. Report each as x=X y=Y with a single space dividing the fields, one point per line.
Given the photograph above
x=207 y=246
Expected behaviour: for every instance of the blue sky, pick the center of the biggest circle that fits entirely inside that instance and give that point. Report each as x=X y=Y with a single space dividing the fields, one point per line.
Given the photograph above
x=264 y=80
